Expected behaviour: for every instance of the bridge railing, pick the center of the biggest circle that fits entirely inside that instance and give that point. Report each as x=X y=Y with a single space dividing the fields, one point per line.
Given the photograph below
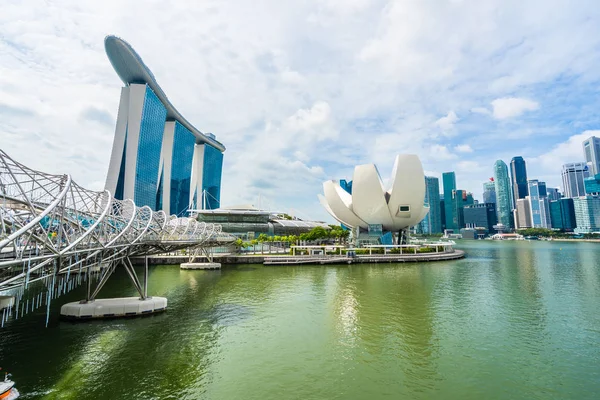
x=49 y=224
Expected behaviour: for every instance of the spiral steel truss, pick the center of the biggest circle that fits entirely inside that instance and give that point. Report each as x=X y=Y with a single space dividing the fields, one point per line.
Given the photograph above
x=50 y=225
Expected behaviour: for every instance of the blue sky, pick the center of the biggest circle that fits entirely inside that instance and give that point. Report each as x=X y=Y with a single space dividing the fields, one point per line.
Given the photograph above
x=301 y=91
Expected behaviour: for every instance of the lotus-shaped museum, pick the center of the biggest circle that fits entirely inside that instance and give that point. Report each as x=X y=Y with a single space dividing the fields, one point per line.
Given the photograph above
x=395 y=209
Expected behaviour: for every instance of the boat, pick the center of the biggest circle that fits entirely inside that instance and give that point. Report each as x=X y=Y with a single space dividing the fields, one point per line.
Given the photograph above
x=7 y=389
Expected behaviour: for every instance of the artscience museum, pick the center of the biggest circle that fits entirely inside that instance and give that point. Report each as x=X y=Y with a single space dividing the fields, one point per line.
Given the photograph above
x=374 y=212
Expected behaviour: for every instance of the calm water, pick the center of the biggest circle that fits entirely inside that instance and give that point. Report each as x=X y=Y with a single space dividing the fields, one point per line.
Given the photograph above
x=512 y=321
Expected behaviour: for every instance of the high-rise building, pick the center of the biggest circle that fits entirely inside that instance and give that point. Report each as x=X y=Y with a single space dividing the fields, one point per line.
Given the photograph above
x=449 y=183
x=503 y=196
x=442 y=212
x=587 y=214
x=591 y=151
x=523 y=214
x=459 y=198
x=539 y=206
x=553 y=193
x=489 y=191
x=481 y=215
x=592 y=185
x=158 y=158
x=432 y=222
x=346 y=185
x=562 y=214
x=518 y=175
x=468 y=199
x=573 y=176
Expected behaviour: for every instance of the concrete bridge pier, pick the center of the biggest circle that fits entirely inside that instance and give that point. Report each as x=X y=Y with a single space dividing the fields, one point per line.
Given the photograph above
x=92 y=308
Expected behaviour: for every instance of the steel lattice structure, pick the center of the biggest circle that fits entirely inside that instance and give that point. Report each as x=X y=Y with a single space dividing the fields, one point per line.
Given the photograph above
x=50 y=225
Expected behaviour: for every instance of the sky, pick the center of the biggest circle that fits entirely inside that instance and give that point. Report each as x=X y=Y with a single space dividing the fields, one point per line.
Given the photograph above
x=301 y=91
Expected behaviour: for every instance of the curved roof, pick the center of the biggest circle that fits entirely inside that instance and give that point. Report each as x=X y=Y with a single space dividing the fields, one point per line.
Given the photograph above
x=131 y=69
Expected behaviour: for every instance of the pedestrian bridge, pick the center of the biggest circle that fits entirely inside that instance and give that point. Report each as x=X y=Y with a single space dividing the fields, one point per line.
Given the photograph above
x=50 y=226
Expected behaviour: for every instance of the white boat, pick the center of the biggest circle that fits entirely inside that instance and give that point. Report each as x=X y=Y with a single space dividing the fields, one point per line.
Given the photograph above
x=7 y=389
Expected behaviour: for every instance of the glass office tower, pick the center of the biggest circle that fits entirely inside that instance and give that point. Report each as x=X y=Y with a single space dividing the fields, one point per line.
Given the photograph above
x=489 y=192
x=158 y=158
x=562 y=214
x=503 y=195
x=432 y=222
x=449 y=183
x=591 y=151
x=573 y=177
x=518 y=174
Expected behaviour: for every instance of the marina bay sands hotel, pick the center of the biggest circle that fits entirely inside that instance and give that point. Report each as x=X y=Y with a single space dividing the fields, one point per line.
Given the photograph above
x=159 y=159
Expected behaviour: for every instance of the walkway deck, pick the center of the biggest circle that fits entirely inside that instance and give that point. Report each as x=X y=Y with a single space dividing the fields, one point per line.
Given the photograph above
x=366 y=259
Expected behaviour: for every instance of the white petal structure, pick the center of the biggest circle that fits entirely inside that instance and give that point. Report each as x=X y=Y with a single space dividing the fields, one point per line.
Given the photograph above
x=395 y=209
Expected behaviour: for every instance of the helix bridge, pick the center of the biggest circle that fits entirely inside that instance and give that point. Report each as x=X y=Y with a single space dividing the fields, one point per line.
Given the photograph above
x=56 y=235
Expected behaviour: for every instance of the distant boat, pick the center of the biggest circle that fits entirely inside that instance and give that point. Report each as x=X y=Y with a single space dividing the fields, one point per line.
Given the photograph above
x=532 y=238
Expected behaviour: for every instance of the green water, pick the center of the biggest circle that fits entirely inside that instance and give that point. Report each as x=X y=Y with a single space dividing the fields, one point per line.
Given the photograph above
x=514 y=320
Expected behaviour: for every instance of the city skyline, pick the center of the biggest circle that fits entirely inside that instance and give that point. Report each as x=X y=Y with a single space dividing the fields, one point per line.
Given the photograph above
x=276 y=88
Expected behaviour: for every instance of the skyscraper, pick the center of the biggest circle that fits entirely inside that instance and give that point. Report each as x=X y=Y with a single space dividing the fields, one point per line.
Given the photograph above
x=459 y=198
x=562 y=214
x=587 y=214
x=523 y=213
x=503 y=196
x=518 y=174
x=592 y=185
x=489 y=191
x=481 y=215
x=538 y=203
x=553 y=194
x=573 y=176
x=449 y=183
x=591 y=151
x=432 y=222
x=158 y=158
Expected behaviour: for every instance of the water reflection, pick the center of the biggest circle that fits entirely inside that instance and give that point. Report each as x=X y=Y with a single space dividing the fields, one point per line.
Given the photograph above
x=512 y=320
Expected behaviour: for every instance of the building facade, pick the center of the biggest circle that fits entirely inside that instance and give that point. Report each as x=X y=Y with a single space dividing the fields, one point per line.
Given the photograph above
x=538 y=203
x=523 y=214
x=587 y=214
x=432 y=223
x=158 y=158
x=518 y=175
x=503 y=195
x=592 y=185
x=449 y=183
x=562 y=214
x=459 y=198
x=489 y=191
x=591 y=151
x=553 y=193
x=481 y=215
x=573 y=176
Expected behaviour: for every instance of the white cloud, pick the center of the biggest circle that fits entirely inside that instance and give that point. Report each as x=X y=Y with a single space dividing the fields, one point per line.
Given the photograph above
x=441 y=152
x=480 y=110
x=463 y=148
x=568 y=151
x=447 y=122
x=468 y=166
x=296 y=93
x=509 y=107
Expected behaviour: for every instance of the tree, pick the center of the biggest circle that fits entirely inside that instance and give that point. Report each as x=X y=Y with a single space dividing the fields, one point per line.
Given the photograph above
x=263 y=237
